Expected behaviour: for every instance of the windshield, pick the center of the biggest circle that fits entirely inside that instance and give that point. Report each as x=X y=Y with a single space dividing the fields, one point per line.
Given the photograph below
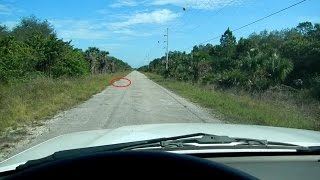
x=125 y=71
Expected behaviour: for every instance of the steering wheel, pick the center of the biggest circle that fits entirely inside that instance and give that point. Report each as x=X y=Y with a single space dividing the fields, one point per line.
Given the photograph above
x=132 y=164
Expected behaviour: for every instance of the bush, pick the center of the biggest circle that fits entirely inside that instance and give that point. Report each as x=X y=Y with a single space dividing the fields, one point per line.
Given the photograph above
x=315 y=90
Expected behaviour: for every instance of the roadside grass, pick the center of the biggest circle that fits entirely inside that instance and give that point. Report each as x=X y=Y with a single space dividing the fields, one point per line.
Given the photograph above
x=41 y=98
x=242 y=109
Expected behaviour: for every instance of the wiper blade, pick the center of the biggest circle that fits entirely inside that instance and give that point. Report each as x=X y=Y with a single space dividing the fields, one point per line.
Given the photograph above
x=310 y=149
x=182 y=141
x=89 y=150
x=170 y=142
x=207 y=139
x=214 y=139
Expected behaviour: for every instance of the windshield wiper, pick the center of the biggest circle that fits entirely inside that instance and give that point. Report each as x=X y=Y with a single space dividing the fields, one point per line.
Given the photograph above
x=170 y=142
x=311 y=149
x=208 y=139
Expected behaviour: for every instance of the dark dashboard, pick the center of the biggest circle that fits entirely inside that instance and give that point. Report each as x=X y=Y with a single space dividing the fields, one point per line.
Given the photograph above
x=275 y=167
x=162 y=165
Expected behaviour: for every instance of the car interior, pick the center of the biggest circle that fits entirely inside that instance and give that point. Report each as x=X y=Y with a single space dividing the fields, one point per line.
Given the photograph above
x=157 y=164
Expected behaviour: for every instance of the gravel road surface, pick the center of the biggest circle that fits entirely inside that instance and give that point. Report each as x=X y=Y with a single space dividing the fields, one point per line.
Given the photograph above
x=143 y=102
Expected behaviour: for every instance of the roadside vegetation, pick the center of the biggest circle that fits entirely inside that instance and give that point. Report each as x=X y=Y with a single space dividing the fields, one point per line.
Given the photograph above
x=269 y=78
x=41 y=74
x=243 y=108
x=28 y=102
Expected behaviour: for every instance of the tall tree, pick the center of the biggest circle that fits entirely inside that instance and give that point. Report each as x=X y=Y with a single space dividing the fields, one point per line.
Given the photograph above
x=31 y=27
x=305 y=28
x=228 y=43
x=103 y=61
x=92 y=54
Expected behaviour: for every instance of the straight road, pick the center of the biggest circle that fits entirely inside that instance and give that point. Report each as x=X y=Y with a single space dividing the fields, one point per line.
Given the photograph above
x=143 y=102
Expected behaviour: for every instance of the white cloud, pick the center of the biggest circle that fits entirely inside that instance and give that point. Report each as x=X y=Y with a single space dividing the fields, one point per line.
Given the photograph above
x=90 y=30
x=79 y=29
x=9 y=24
x=5 y=10
x=198 y=4
x=154 y=17
x=125 y=31
x=130 y=32
x=194 y=4
x=121 y=3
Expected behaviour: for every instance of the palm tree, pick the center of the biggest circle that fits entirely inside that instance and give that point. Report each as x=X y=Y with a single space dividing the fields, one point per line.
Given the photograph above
x=92 y=55
x=103 y=61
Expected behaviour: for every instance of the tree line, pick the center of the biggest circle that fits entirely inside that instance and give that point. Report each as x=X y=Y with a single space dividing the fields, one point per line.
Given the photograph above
x=288 y=57
x=32 y=48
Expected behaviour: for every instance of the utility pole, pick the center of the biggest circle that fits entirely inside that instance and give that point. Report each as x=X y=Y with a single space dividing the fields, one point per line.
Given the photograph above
x=167 y=49
x=148 y=60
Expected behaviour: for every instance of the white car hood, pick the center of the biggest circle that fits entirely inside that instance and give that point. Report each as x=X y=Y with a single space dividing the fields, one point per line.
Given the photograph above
x=151 y=131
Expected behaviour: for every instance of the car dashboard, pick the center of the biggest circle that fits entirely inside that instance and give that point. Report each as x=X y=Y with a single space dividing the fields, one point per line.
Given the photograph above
x=275 y=167
x=259 y=165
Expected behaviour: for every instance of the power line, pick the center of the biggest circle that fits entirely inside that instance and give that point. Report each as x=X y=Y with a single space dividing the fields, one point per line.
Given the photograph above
x=269 y=15
x=241 y=27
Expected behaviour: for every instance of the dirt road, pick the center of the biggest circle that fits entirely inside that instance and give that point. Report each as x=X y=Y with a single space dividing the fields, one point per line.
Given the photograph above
x=143 y=102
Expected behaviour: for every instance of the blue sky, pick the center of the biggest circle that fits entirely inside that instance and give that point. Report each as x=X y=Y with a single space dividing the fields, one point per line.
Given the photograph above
x=131 y=29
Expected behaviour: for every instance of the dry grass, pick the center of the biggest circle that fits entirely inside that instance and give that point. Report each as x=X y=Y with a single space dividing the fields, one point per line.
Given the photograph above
x=243 y=108
x=29 y=102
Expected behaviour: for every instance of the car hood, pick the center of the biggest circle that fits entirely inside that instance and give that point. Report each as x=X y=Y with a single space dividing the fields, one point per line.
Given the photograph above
x=152 y=131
